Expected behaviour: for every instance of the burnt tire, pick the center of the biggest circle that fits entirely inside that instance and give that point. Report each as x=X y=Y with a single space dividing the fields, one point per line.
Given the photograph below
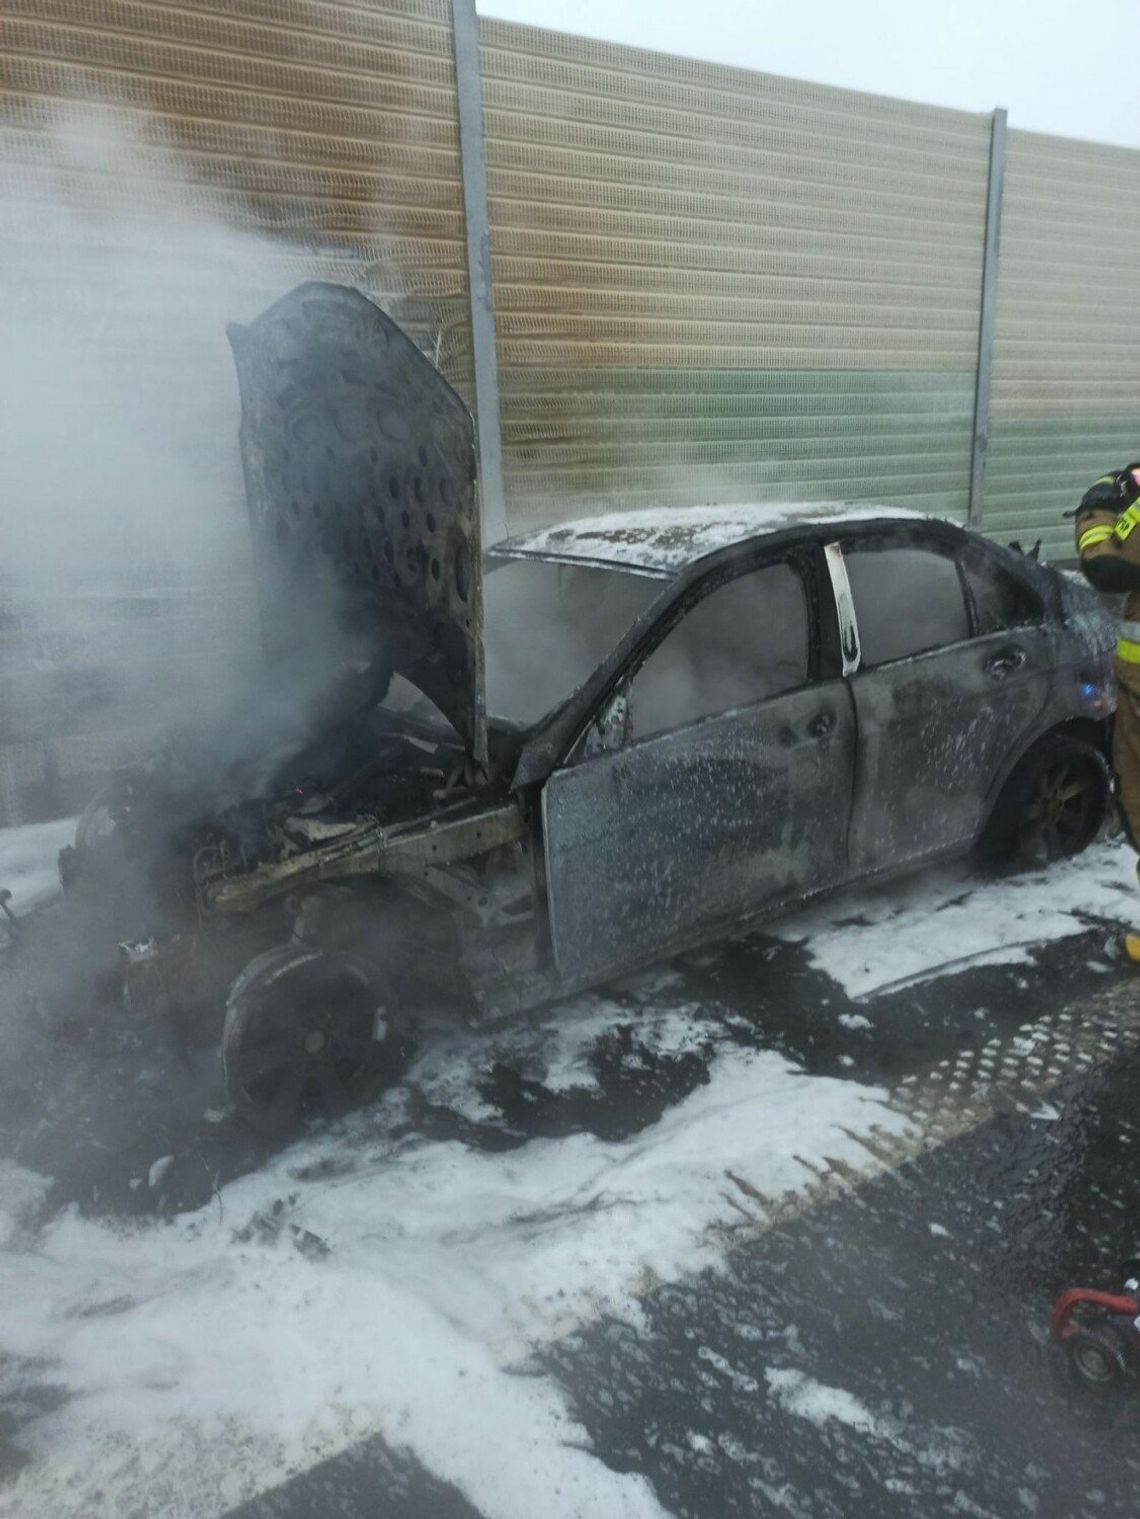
x=1051 y=807
x=1098 y=1360
x=309 y=1033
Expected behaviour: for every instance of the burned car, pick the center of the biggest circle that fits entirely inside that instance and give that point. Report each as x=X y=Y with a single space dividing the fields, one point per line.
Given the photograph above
x=602 y=742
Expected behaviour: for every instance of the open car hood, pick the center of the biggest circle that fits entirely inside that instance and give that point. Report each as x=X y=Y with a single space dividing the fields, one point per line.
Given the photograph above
x=359 y=466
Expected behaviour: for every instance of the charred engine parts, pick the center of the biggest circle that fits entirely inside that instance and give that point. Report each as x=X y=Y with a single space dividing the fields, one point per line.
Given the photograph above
x=152 y=970
x=375 y=850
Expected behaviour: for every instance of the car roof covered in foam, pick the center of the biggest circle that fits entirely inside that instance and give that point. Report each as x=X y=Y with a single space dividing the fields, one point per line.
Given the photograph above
x=663 y=540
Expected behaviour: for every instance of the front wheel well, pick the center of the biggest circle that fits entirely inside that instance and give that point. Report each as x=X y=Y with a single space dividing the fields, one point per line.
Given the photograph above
x=1087 y=730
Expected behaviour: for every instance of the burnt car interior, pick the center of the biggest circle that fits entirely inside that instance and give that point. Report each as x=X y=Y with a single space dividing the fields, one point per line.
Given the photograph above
x=547 y=628
x=746 y=639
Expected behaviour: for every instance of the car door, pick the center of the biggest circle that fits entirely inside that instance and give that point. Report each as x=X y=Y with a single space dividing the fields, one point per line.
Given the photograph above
x=723 y=788
x=955 y=666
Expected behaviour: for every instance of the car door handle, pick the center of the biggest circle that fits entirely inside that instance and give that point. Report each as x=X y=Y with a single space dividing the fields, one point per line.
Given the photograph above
x=1004 y=663
x=822 y=725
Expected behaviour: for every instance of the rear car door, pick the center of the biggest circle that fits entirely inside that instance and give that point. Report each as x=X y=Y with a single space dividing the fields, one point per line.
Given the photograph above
x=955 y=667
x=730 y=790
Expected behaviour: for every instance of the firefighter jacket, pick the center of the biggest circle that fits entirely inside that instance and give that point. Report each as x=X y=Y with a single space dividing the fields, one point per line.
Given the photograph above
x=1108 y=542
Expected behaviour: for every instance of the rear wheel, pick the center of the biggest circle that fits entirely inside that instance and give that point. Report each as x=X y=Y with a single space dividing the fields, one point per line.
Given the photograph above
x=309 y=1033
x=1098 y=1359
x=1052 y=805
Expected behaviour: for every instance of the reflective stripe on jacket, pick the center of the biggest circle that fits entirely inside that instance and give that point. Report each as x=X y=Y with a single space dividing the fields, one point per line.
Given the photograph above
x=1128 y=642
x=1109 y=549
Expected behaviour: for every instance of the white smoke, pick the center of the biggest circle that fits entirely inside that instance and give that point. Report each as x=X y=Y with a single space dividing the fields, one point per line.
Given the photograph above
x=125 y=569
x=120 y=463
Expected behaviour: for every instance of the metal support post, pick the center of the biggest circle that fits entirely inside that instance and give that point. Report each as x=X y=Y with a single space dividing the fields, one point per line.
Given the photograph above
x=492 y=501
x=9 y=792
x=986 y=326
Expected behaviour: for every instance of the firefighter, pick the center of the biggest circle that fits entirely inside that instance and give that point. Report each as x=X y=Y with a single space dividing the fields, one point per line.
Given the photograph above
x=1108 y=542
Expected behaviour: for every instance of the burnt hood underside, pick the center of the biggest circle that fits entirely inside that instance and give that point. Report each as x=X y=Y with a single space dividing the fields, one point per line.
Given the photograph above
x=359 y=464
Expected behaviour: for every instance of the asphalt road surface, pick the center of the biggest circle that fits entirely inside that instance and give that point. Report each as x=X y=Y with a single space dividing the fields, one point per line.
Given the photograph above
x=867 y=1342
x=881 y=1352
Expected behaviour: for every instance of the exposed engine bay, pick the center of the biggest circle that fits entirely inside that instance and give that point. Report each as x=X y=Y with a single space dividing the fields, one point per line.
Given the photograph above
x=362 y=776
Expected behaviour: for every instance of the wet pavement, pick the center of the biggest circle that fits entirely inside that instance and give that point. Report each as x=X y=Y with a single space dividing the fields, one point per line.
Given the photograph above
x=870 y=1346
x=882 y=1351
x=880 y=1355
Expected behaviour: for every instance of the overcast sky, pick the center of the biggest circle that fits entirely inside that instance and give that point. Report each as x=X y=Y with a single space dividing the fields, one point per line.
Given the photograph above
x=1065 y=66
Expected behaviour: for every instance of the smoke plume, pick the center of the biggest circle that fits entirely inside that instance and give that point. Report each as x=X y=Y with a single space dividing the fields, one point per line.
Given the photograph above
x=126 y=598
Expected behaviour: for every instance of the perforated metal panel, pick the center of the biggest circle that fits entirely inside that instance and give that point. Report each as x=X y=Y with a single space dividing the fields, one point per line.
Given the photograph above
x=709 y=283
x=1066 y=392
x=328 y=127
x=712 y=284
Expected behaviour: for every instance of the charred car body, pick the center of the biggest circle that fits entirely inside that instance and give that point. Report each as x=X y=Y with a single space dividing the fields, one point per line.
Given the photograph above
x=604 y=741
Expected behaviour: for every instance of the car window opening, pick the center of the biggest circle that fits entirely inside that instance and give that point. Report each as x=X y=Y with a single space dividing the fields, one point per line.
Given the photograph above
x=547 y=627
x=907 y=600
x=745 y=642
